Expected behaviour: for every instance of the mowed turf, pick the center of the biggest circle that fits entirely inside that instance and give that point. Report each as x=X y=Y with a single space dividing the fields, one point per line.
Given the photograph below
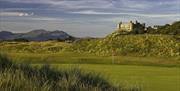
x=77 y=58
x=152 y=74
x=147 y=77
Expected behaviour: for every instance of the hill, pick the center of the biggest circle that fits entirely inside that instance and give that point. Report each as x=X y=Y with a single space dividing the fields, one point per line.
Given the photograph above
x=113 y=44
x=173 y=28
x=35 y=35
x=132 y=45
x=6 y=35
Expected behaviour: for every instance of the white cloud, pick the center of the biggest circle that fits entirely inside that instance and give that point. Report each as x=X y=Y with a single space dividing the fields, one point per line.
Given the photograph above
x=91 y=12
x=44 y=19
x=31 y=18
x=16 y=14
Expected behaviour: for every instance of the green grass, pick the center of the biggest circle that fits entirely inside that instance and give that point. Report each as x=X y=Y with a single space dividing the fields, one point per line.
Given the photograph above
x=150 y=73
x=21 y=77
x=151 y=61
x=77 y=58
x=148 y=77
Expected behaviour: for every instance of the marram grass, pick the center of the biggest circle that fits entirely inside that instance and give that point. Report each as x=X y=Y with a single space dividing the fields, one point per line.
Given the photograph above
x=120 y=45
x=21 y=77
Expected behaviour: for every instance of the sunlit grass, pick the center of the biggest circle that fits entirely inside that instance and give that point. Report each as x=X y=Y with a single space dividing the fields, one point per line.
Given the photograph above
x=23 y=77
x=149 y=78
x=121 y=45
x=77 y=58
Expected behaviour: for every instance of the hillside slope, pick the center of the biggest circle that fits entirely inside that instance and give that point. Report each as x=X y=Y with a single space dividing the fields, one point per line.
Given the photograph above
x=114 y=44
x=173 y=28
x=134 y=45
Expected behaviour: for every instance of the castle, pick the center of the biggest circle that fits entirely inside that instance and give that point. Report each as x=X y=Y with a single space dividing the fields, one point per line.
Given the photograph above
x=131 y=27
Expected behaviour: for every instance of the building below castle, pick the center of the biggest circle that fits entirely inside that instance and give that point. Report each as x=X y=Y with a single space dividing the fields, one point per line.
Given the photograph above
x=131 y=27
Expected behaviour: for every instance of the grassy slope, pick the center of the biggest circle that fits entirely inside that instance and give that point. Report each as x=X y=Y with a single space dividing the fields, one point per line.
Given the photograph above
x=130 y=45
x=77 y=58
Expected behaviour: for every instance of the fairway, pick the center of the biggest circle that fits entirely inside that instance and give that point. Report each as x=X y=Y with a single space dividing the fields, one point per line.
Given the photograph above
x=149 y=73
x=148 y=77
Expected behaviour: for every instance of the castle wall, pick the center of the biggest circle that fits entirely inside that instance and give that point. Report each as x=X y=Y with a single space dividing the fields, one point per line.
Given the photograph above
x=125 y=26
x=128 y=27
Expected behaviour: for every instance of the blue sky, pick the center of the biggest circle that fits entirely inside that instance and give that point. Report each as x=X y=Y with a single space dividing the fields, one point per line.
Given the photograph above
x=84 y=17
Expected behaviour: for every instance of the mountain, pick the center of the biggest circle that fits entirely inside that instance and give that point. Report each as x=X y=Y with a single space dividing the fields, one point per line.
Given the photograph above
x=6 y=35
x=36 y=35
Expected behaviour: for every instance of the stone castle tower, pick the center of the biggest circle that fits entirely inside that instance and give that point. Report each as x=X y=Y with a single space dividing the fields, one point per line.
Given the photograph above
x=131 y=27
x=128 y=26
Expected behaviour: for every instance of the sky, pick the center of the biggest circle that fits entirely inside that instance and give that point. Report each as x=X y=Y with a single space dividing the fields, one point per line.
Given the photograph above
x=83 y=18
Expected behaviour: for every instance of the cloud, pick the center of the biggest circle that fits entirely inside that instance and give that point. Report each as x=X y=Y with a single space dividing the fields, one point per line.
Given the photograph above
x=32 y=18
x=46 y=19
x=69 y=4
x=91 y=12
x=16 y=14
x=104 y=5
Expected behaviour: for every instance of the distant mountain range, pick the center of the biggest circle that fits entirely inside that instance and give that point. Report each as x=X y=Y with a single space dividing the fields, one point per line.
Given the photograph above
x=35 y=35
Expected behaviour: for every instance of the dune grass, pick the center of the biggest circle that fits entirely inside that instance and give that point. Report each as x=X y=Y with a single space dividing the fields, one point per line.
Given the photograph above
x=23 y=77
x=130 y=45
x=120 y=45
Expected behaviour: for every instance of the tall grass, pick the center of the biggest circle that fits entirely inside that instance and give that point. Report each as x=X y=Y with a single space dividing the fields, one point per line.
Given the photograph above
x=21 y=77
x=131 y=45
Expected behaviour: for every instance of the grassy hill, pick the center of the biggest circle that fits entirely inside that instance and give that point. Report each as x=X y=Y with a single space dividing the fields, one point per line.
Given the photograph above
x=132 y=45
x=128 y=67
x=173 y=28
x=113 y=44
x=34 y=47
